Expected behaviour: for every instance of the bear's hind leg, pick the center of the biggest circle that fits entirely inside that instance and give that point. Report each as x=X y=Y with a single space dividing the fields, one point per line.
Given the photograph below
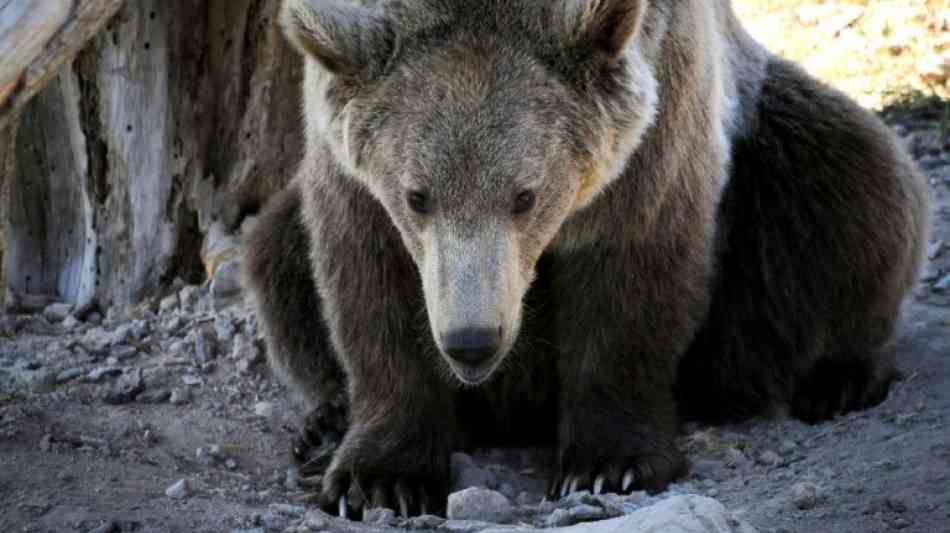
x=279 y=277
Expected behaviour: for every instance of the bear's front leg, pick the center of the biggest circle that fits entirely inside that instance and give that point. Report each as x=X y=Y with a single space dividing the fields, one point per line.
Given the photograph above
x=623 y=317
x=402 y=427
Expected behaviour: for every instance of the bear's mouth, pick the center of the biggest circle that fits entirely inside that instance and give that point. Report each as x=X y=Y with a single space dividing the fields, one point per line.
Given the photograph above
x=473 y=375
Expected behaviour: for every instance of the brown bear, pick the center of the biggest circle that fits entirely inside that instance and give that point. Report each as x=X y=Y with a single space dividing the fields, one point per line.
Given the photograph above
x=574 y=222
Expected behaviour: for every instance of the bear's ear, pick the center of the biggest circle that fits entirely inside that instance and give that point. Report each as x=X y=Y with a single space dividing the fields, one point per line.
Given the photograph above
x=601 y=28
x=346 y=39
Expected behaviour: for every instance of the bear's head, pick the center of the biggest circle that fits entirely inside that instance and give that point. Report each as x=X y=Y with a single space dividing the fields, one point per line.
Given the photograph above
x=481 y=126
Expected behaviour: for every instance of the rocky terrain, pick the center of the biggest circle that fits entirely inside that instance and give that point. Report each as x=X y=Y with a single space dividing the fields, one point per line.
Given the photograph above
x=164 y=417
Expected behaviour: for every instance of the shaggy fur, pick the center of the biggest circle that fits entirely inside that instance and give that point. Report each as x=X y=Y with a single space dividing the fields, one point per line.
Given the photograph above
x=657 y=217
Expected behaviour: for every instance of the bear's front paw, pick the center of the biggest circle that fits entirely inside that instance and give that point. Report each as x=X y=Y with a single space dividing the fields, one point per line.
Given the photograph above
x=618 y=463
x=377 y=470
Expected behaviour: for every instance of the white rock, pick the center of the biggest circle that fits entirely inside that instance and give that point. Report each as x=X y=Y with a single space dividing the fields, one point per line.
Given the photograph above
x=804 y=495
x=180 y=490
x=479 y=504
x=57 y=312
x=678 y=514
x=264 y=409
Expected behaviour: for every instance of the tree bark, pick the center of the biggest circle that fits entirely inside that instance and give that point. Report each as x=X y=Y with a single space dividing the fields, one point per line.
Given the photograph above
x=172 y=124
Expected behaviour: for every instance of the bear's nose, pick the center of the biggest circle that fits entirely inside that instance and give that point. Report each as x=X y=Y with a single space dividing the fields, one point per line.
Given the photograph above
x=472 y=346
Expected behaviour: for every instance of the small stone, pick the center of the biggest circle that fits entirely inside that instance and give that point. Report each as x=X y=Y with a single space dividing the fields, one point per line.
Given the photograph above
x=121 y=353
x=380 y=516
x=804 y=495
x=264 y=409
x=787 y=446
x=230 y=464
x=770 y=458
x=94 y=318
x=735 y=459
x=934 y=250
x=224 y=328
x=71 y=323
x=479 y=504
x=121 y=335
x=57 y=312
x=126 y=389
x=587 y=513
x=189 y=298
x=943 y=284
x=525 y=499
x=204 y=457
x=139 y=329
x=316 y=520
x=206 y=348
x=192 y=380
x=424 y=522
x=155 y=396
x=179 y=396
x=108 y=527
x=559 y=518
x=46 y=443
x=169 y=304
x=179 y=490
x=275 y=521
x=68 y=375
x=98 y=374
x=226 y=283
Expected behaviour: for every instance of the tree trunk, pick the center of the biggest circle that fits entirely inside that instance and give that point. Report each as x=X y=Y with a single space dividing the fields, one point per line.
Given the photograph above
x=173 y=123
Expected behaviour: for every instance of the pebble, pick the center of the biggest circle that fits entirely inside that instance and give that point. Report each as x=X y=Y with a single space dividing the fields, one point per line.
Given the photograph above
x=380 y=516
x=770 y=458
x=126 y=389
x=180 y=490
x=425 y=522
x=934 y=250
x=108 y=527
x=226 y=283
x=943 y=284
x=735 y=459
x=264 y=409
x=122 y=353
x=479 y=504
x=68 y=375
x=169 y=304
x=71 y=323
x=155 y=396
x=204 y=457
x=804 y=495
x=96 y=340
x=206 y=348
x=97 y=374
x=189 y=298
x=179 y=396
x=224 y=328
x=57 y=312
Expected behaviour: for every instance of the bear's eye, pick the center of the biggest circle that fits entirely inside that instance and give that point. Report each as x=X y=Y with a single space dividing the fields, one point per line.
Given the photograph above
x=418 y=201
x=524 y=202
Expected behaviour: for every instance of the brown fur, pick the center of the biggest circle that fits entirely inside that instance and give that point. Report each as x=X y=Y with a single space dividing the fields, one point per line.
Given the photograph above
x=712 y=228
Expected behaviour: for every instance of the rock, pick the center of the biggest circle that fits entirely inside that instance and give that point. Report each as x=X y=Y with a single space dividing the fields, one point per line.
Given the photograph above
x=46 y=443
x=126 y=389
x=770 y=458
x=94 y=318
x=205 y=346
x=57 y=312
x=204 y=457
x=226 y=283
x=559 y=518
x=71 y=323
x=121 y=335
x=121 y=353
x=424 y=522
x=35 y=324
x=108 y=527
x=98 y=374
x=275 y=521
x=68 y=375
x=934 y=250
x=224 y=328
x=179 y=396
x=735 y=459
x=189 y=298
x=479 y=504
x=264 y=409
x=31 y=303
x=316 y=520
x=139 y=329
x=677 y=514
x=179 y=490
x=380 y=516
x=804 y=495
x=943 y=285
x=169 y=304
x=155 y=396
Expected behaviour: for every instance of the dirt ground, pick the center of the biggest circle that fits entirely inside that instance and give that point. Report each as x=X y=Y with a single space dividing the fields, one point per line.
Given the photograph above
x=100 y=418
